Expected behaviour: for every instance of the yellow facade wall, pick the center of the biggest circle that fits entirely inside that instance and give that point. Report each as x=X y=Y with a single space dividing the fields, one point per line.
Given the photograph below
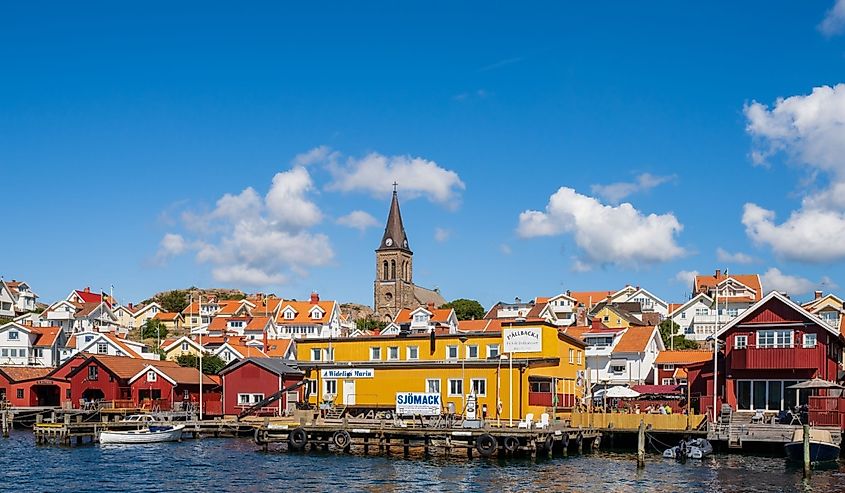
x=406 y=374
x=611 y=319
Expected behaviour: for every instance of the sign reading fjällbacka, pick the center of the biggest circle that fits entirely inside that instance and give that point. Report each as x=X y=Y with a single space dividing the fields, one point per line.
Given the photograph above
x=522 y=340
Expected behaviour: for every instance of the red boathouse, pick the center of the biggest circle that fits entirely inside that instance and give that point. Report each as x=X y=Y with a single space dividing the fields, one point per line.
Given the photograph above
x=250 y=380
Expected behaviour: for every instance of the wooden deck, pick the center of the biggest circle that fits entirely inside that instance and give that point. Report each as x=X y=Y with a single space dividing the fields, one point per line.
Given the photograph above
x=745 y=433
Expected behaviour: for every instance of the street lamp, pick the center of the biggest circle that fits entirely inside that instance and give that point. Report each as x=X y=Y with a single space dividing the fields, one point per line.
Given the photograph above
x=463 y=340
x=498 y=390
x=715 y=342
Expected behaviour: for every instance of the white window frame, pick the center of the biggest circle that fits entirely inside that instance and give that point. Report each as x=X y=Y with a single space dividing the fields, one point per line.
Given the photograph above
x=328 y=354
x=412 y=352
x=814 y=338
x=330 y=387
x=472 y=386
x=579 y=357
x=184 y=346
x=669 y=367
x=429 y=387
x=460 y=383
x=617 y=372
x=470 y=349
x=493 y=351
x=666 y=381
x=102 y=348
x=452 y=350
x=375 y=353
x=392 y=353
x=14 y=335
x=152 y=376
x=316 y=354
x=740 y=341
x=571 y=356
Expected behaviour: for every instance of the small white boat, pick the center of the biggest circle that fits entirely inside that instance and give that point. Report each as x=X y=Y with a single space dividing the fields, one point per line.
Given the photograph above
x=153 y=434
x=697 y=448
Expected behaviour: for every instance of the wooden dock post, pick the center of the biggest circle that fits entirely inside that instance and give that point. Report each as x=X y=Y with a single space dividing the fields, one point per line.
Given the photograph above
x=426 y=450
x=641 y=445
x=806 y=450
x=366 y=444
x=6 y=424
x=565 y=443
x=406 y=447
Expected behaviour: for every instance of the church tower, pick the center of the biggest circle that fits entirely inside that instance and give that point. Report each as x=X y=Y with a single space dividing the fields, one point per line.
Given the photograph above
x=393 y=289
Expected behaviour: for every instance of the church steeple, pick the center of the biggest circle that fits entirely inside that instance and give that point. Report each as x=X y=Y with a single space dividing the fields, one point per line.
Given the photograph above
x=394 y=237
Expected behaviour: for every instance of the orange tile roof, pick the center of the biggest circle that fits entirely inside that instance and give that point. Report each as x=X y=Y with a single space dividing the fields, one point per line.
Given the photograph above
x=589 y=298
x=267 y=306
x=683 y=357
x=257 y=323
x=230 y=307
x=303 y=313
x=46 y=336
x=278 y=347
x=577 y=331
x=674 y=306
x=19 y=373
x=541 y=299
x=246 y=350
x=182 y=374
x=750 y=280
x=437 y=315
x=634 y=340
x=167 y=316
x=125 y=367
x=122 y=345
x=680 y=373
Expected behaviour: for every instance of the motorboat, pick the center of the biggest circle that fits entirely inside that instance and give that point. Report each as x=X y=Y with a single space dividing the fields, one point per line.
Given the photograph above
x=822 y=448
x=696 y=448
x=151 y=434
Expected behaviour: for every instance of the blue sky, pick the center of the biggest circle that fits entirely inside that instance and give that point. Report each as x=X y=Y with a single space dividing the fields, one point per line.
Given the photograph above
x=123 y=126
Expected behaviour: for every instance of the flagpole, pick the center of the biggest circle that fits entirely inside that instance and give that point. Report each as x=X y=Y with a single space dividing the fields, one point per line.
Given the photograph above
x=199 y=308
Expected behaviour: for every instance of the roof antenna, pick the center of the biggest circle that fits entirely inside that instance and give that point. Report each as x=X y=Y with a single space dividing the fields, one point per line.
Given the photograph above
x=395 y=185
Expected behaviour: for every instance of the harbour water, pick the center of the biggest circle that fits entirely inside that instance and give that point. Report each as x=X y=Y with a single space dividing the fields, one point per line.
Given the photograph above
x=237 y=465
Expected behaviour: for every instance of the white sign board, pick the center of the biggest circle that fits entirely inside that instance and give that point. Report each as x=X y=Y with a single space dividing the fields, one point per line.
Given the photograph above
x=522 y=340
x=339 y=373
x=417 y=403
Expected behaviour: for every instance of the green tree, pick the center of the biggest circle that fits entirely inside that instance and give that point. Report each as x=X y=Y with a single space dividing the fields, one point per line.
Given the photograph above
x=174 y=301
x=210 y=364
x=369 y=323
x=671 y=338
x=466 y=309
x=5 y=320
x=153 y=329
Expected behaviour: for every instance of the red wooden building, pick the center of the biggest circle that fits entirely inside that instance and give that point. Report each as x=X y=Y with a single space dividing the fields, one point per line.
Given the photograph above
x=26 y=386
x=250 y=380
x=769 y=347
x=134 y=382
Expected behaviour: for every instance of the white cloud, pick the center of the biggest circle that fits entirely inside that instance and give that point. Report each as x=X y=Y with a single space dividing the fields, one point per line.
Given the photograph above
x=614 y=192
x=723 y=255
x=258 y=241
x=686 y=277
x=287 y=203
x=320 y=154
x=359 y=220
x=810 y=130
x=170 y=246
x=417 y=177
x=834 y=21
x=619 y=235
x=441 y=235
x=808 y=235
x=775 y=280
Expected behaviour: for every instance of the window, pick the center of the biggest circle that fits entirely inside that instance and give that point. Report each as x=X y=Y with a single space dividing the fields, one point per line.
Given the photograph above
x=666 y=381
x=89 y=339
x=617 y=368
x=540 y=386
x=312 y=387
x=492 y=350
x=315 y=354
x=13 y=335
x=456 y=387
x=330 y=386
x=770 y=395
x=579 y=356
x=599 y=341
x=375 y=353
x=432 y=385
x=809 y=340
x=4 y=352
x=184 y=346
x=702 y=311
x=392 y=353
x=683 y=315
x=774 y=338
x=451 y=352
x=316 y=314
x=92 y=373
x=421 y=318
x=413 y=352
x=289 y=315
x=479 y=386
x=329 y=354
x=152 y=376
x=186 y=395
x=472 y=352
x=733 y=312
x=669 y=367
x=102 y=348
x=740 y=342
x=249 y=399
x=571 y=356
x=67 y=393
x=20 y=393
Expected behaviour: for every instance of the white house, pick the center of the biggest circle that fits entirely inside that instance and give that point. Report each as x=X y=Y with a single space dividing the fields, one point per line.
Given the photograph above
x=423 y=319
x=147 y=312
x=7 y=301
x=697 y=318
x=620 y=356
x=649 y=302
x=308 y=319
x=105 y=343
x=29 y=346
x=560 y=310
x=24 y=298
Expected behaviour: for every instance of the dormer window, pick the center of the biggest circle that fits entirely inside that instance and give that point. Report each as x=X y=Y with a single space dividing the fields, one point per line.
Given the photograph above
x=289 y=315
x=152 y=376
x=316 y=314
x=13 y=335
x=421 y=318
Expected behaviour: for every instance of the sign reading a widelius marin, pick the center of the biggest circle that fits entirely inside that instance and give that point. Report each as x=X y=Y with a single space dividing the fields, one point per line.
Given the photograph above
x=336 y=373
x=522 y=340
x=417 y=404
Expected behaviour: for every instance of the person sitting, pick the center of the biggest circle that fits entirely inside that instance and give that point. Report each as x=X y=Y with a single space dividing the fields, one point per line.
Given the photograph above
x=663 y=410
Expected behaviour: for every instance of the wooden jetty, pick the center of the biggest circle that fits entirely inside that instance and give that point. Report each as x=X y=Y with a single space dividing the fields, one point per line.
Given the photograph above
x=387 y=435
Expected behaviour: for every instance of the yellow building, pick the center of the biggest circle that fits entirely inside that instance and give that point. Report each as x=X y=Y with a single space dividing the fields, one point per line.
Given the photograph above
x=614 y=317
x=173 y=348
x=368 y=372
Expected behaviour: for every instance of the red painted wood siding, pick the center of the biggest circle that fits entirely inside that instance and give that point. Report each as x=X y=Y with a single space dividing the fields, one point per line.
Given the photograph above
x=252 y=379
x=775 y=358
x=113 y=388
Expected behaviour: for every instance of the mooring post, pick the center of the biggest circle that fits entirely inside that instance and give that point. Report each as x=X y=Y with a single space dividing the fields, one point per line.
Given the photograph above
x=565 y=444
x=425 y=448
x=5 y=424
x=806 y=450
x=405 y=447
x=366 y=444
x=641 y=445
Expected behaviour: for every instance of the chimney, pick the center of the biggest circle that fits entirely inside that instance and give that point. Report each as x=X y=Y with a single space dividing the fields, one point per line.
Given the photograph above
x=517 y=300
x=87 y=289
x=818 y=295
x=569 y=292
x=314 y=297
x=718 y=273
x=131 y=306
x=430 y=306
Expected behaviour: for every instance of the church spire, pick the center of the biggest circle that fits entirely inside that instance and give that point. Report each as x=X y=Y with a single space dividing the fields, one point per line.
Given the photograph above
x=394 y=231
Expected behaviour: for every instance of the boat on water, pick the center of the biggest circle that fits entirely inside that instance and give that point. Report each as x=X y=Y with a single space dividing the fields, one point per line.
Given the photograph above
x=152 y=434
x=822 y=448
x=697 y=448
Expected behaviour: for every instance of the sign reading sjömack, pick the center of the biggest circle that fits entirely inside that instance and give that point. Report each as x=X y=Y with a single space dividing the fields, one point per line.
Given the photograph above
x=522 y=340
x=347 y=373
x=417 y=403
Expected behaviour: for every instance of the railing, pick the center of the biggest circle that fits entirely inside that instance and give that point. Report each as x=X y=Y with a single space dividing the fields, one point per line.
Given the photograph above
x=545 y=399
x=761 y=358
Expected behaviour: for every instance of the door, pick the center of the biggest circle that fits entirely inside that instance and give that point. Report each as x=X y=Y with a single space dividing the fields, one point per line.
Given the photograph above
x=349 y=392
x=290 y=402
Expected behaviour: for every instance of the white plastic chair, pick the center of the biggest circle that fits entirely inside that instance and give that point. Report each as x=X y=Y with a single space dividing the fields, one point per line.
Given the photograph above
x=544 y=421
x=526 y=423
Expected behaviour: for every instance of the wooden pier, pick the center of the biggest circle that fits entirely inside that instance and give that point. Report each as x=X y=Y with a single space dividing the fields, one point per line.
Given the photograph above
x=386 y=436
x=736 y=436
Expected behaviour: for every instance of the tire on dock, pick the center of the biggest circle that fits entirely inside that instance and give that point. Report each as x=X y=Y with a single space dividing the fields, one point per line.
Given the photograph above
x=297 y=439
x=510 y=444
x=260 y=436
x=341 y=439
x=486 y=444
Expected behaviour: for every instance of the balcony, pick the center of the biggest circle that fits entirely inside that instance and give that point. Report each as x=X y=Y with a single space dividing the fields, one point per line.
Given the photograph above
x=776 y=358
